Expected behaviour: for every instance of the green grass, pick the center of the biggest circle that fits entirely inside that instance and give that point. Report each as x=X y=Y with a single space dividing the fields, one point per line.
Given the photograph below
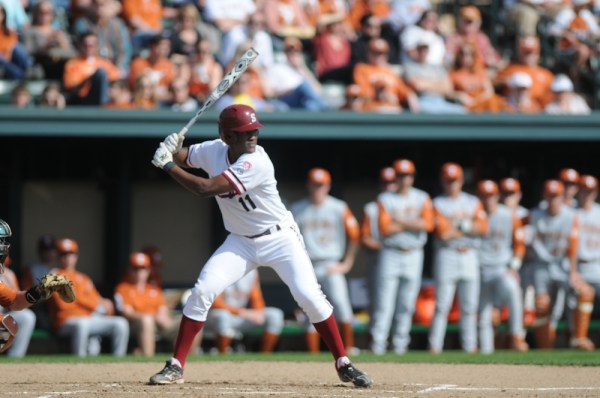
x=535 y=357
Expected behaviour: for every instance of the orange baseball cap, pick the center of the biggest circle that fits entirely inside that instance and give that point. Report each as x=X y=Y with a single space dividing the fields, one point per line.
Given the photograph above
x=569 y=176
x=470 y=13
x=510 y=185
x=66 y=246
x=387 y=174
x=451 y=171
x=404 y=166
x=588 y=182
x=553 y=188
x=139 y=260
x=319 y=176
x=487 y=187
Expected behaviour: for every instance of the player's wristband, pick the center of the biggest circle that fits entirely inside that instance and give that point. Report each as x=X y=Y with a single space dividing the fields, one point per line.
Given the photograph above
x=33 y=295
x=168 y=166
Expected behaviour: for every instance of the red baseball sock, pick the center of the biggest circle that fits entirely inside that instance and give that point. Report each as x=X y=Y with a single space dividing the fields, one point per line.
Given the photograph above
x=188 y=329
x=330 y=333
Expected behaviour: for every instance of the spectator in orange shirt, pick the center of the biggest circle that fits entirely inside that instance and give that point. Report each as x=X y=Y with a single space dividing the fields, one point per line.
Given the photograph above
x=144 y=18
x=144 y=306
x=519 y=98
x=378 y=69
x=528 y=59
x=14 y=60
x=86 y=78
x=473 y=87
x=156 y=65
x=91 y=314
x=287 y=18
x=206 y=71
x=241 y=307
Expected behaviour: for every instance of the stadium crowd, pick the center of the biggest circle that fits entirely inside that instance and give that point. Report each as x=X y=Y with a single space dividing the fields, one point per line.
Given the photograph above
x=387 y=56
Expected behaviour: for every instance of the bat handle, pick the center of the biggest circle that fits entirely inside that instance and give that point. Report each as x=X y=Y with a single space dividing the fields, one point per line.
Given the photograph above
x=182 y=132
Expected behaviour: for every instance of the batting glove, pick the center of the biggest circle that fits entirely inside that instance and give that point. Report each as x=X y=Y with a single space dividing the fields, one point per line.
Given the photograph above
x=162 y=156
x=174 y=143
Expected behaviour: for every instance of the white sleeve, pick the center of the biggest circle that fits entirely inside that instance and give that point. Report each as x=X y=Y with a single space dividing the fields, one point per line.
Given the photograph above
x=197 y=156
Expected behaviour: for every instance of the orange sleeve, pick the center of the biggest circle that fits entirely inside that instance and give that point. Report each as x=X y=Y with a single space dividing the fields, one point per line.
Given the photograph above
x=427 y=215
x=72 y=74
x=402 y=91
x=518 y=237
x=480 y=218
x=220 y=304
x=111 y=70
x=256 y=300
x=351 y=225
x=361 y=78
x=442 y=224
x=7 y=295
x=574 y=239
x=384 y=220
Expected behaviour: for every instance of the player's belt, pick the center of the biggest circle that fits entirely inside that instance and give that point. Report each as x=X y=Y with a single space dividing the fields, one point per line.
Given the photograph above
x=267 y=232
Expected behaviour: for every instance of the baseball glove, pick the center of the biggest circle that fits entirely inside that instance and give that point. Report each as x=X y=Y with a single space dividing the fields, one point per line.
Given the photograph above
x=49 y=284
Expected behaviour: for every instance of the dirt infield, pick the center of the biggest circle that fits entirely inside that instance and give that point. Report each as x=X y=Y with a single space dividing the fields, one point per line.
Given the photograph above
x=290 y=379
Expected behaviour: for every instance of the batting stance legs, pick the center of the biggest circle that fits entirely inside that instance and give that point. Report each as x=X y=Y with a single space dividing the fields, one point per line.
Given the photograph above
x=236 y=257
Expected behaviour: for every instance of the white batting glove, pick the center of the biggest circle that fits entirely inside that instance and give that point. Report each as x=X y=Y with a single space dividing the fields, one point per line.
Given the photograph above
x=174 y=143
x=162 y=156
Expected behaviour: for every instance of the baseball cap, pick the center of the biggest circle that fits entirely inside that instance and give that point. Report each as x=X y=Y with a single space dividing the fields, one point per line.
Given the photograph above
x=553 y=188
x=139 y=260
x=487 y=187
x=451 y=171
x=404 y=166
x=529 y=44
x=470 y=13
x=387 y=174
x=319 y=176
x=588 y=182
x=510 y=185
x=379 y=46
x=561 y=83
x=569 y=176
x=292 y=43
x=66 y=246
x=520 y=80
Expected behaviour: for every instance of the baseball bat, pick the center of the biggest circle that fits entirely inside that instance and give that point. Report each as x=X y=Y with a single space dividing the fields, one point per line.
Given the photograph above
x=240 y=67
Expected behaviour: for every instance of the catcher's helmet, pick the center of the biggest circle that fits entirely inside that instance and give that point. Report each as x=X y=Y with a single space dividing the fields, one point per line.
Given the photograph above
x=239 y=118
x=5 y=233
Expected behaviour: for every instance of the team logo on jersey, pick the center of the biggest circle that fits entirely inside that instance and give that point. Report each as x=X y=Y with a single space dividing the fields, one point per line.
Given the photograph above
x=247 y=165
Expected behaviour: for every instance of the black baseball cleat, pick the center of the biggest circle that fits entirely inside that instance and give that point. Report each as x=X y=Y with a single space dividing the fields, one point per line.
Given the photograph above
x=349 y=373
x=171 y=374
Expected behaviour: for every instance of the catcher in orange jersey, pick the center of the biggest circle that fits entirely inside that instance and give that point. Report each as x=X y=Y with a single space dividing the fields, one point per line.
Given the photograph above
x=19 y=300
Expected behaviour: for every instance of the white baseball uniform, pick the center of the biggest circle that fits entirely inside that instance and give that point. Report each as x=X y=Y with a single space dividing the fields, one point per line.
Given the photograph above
x=503 y=242
x=326 y=228
x=370 y=228
x=399 y=268
x=456 y=268
x=588 y=252
x=262 y=233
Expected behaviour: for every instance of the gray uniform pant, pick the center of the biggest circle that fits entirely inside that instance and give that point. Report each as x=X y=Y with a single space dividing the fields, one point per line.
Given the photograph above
x=82 y=328
x=224 y=323
x=398 y=280
x=455 y=271
x=498 y=287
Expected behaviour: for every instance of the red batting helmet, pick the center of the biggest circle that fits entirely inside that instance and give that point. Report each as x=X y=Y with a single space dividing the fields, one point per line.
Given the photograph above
x=239 y=118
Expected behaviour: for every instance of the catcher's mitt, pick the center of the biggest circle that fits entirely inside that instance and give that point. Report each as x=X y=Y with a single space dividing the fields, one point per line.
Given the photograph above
x=8 y=331
x=49 y=284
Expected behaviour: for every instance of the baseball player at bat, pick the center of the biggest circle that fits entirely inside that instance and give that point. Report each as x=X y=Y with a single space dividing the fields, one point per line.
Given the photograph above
x=262 y=232
x=405 y=218
x=18 y=300
x=460 y=222
x=500 y=258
